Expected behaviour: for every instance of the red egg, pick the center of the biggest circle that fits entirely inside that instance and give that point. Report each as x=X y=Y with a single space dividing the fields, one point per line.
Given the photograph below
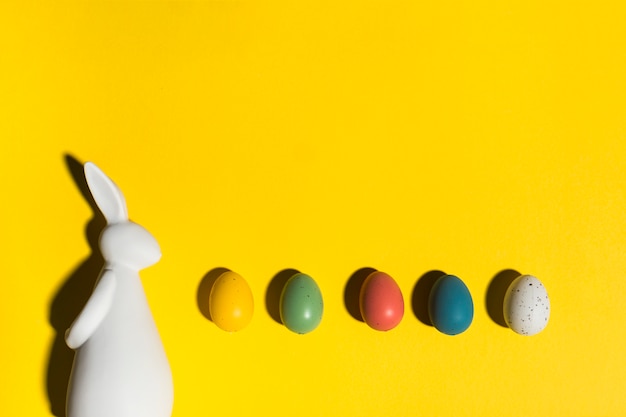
x=381 y=302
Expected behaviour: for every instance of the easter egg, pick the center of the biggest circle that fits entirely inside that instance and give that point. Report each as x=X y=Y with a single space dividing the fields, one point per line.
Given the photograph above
x=381 y=302
x=450 y=305
x=301 y=304
x=230 y=303
x=526 y=306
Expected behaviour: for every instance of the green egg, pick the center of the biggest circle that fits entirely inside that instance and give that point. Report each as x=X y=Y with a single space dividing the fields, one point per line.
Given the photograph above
x=301 y=304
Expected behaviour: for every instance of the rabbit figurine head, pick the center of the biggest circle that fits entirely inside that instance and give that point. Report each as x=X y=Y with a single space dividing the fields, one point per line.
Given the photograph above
x=122 y=242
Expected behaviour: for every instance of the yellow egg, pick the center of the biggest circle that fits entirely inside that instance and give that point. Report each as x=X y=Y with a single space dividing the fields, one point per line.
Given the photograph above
x=230 y=303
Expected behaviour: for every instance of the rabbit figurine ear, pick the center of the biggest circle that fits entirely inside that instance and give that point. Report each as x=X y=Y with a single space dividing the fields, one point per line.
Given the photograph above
x=106 y=194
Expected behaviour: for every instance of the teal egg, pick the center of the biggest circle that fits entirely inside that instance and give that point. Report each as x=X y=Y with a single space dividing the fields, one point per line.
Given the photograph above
x=301 y=304
x=450 y=305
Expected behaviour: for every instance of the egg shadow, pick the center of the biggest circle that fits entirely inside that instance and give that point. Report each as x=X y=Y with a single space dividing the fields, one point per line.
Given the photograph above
x=274 y=290
x=494 y=298
x=204 y=290
x=352 y=292
x=421 y=294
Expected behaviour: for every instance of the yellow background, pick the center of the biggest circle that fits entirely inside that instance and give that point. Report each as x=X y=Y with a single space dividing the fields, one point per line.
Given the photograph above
x=469 y=137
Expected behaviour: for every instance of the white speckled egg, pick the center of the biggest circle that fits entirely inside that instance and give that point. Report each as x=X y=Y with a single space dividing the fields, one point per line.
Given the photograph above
x=526 y=306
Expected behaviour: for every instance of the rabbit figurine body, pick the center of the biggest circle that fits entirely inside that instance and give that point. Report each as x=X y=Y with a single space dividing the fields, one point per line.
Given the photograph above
x=120 y=368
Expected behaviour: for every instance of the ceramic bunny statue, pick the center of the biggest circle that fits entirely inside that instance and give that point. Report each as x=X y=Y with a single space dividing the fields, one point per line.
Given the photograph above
x=120 y=368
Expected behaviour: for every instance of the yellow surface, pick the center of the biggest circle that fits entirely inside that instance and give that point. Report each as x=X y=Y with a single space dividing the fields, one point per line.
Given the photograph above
x=469 y=137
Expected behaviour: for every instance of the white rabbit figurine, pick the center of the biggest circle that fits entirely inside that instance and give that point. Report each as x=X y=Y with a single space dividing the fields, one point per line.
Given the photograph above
x=120 y=368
